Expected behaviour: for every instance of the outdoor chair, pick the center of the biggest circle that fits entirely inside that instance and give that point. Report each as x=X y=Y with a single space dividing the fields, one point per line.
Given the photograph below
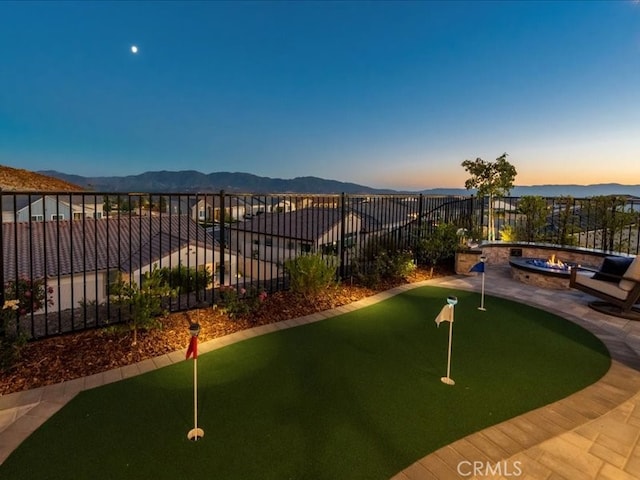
x=616 y=283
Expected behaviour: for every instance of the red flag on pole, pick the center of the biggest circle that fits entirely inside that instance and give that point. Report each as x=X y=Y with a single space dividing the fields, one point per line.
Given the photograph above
x=193 y=348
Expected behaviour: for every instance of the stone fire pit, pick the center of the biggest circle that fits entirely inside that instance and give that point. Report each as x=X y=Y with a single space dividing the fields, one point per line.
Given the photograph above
x=547 y=273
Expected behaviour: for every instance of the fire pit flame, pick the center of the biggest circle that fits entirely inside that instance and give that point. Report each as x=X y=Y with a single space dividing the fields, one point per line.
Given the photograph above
x=547 y=272
x=554 y=262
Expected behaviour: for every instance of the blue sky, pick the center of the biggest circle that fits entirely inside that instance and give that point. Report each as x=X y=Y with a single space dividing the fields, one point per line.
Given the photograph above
x=392 y=95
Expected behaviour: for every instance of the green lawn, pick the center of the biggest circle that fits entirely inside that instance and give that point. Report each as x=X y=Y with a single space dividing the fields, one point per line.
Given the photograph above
x=354 y=397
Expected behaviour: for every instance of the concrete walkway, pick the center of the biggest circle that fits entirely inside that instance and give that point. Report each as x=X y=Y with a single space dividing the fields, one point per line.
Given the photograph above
x=593 y=434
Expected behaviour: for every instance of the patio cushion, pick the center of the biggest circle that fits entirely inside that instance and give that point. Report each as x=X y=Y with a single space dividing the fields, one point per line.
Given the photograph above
x=613 y=267
x=608 y=288
x=633 y=273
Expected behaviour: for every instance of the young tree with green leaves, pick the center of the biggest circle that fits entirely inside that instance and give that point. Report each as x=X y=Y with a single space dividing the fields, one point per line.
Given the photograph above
x=534 y=211
x=438 y=245
x=491 y=179
x=145 y=301
x=612 y=214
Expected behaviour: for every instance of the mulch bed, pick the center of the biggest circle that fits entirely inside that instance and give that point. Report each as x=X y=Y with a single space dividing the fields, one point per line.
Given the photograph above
x=63 y=358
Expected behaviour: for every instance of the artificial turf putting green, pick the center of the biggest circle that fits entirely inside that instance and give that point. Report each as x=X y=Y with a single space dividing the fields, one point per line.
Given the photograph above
x=356 y=396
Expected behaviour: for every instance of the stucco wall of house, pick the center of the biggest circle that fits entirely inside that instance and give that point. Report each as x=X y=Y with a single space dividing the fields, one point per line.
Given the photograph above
x=57 y=207
x=194 y=256
x=71 y=291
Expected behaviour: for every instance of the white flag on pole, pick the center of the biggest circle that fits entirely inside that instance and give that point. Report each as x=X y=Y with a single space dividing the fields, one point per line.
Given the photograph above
x=445 y=315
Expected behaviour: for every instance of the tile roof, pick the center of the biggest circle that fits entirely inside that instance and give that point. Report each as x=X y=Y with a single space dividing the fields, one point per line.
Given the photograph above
x=304 y=224
x=65 y=247
x=311 y=223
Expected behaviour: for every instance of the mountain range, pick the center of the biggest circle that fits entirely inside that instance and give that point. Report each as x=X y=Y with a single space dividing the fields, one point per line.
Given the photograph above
x=191 y=181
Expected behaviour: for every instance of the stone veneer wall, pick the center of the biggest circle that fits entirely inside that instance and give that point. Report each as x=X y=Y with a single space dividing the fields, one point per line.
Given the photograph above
x=466 y=260
x=499 y=253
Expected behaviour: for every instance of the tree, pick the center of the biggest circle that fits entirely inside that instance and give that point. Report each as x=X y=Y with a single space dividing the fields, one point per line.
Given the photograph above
x=534 y=209
x=127 y=204
x=438 y=245
x=611 y=215
x=565 y=220
x=145 y=301
x=491 y=179
x=108 y=204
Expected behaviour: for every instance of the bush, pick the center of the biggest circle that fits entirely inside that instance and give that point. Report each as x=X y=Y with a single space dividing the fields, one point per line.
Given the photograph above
x=31 y=295
x=187 y=279
x=531 y=228
x=145 y=301
x=22 y=297
x=508 y=233
x=311 y=274
x=439 y=245
x=383 y=260
x=240 y=302
x=11 y=342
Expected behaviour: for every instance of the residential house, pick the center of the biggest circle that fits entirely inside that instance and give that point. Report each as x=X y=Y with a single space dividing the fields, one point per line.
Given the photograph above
x=271 y=239
x=384 y=214
x=79 y=259
x=50 y=207
x=281 y=204
x=207 y=208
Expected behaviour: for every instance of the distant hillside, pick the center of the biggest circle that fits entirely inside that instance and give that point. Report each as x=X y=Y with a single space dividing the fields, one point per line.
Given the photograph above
x=17 y=179
x=192 y=181
x=575 y=191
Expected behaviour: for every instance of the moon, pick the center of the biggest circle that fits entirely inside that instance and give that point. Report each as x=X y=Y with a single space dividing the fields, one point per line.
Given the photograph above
x=134 y=49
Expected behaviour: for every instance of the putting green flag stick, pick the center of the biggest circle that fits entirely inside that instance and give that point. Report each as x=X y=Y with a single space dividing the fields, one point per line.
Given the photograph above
x=480 y=267
x=195 y=433
x=446 y=315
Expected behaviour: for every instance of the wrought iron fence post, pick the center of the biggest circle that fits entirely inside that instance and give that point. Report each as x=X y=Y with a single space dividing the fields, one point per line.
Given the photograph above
x=1 y=256
x=418 y=235
x=343 y=223
x=222 y=237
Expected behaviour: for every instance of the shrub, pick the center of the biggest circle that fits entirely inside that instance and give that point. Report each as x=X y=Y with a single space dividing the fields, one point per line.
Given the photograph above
x=531 y=228
x=22 y=297
x=508 y=233
x=31 y=295
x=383 y=260
x=439 y=245
x=311 y=274
x=11 y=342
x=187 y=279
x=240 y=302
x=145 y=301
x=565 y=225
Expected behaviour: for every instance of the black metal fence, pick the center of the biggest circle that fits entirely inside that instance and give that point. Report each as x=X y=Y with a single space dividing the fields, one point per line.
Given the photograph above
x=63 y=253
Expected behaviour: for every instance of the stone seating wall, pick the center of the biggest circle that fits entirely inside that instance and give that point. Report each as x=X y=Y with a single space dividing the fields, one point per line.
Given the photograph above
x=498 y=253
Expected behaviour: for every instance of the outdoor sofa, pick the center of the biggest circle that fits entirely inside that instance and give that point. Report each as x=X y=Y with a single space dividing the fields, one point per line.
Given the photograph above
x=616 y=284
